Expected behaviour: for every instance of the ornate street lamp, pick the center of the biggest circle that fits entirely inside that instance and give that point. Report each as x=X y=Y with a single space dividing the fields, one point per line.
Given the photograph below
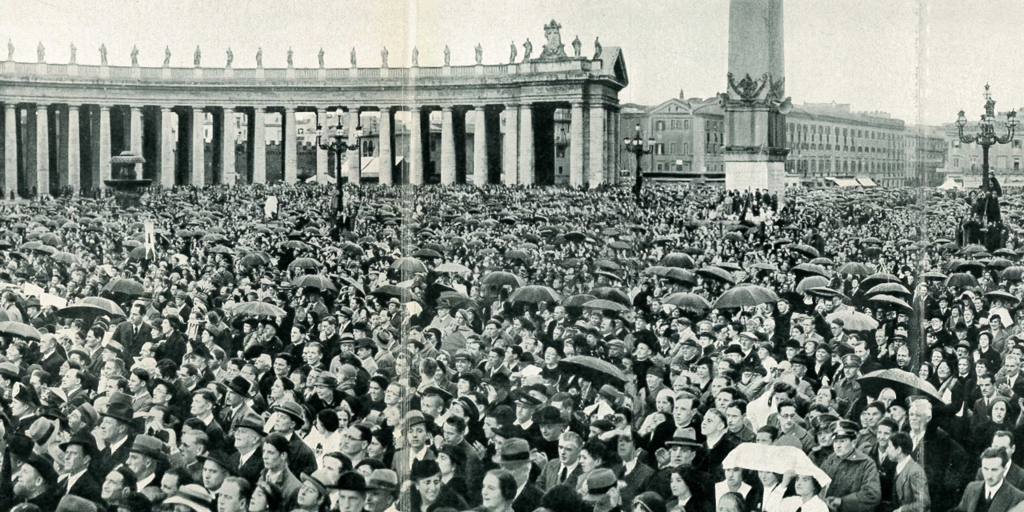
x=338 y=146
x=987 y=137
x=636 y=147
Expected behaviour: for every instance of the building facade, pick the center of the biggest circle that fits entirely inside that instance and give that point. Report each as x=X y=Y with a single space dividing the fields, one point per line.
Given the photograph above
x=964 y=163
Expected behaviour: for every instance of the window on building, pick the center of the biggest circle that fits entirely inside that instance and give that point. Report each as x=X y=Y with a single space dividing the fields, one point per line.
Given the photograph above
x=659 y=126
x=659 y=148
x=686 y=124
x=560 y=151
x=368 y=148
x=1016 y=164
x=672 y=149
x=956 y=162
x=686 y=148
x=1016 y=144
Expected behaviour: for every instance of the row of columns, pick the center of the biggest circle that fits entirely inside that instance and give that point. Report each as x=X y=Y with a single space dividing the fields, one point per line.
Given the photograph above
x=590 y=155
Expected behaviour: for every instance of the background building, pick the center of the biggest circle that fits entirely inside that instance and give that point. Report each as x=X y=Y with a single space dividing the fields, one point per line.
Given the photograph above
x=963 y=164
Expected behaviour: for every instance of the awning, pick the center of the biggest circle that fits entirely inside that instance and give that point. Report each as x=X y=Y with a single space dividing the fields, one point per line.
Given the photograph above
x=844 y=182
x=866 y=182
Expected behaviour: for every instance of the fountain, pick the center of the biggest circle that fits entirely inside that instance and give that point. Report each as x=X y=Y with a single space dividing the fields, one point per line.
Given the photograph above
x=127 y=187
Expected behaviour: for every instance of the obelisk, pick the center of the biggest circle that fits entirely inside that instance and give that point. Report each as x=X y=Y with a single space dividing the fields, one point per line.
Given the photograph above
x=755 y=104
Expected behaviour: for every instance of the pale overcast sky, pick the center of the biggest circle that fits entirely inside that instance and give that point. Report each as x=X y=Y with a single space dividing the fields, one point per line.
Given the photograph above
x=921 y=60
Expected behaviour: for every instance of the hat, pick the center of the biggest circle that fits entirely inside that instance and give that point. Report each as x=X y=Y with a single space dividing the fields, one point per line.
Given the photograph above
x=253 y=422
x=472 y=377
x=824 y=422
x=436 y=391
x=150 y=447
x=291 y=409
x=10 y=370
x=72 y=503
x=851 y=360
x=600 y=481
x=43 y=466
x=113 y=345
x=120 y=412
x=548 y=415
x=412 y=419
x=326 y=379
x=733 y=349
x=684 y=437
x=193 y=496
x=118 y=397
x=239 y=385
x=89 y=413
x=40 y=430
x=801 y=359
x=499 y=379
x=463 y=354
x=320 y=479
x=220 y=458
x=85 y=440
x=424 y=469
x=25 y=394
x=383 y=480
x=609 y=392
x=352 y=481
x=515 y=451
x=525 y=398
x=847 y=430
x=32 y=302
x=657 y=371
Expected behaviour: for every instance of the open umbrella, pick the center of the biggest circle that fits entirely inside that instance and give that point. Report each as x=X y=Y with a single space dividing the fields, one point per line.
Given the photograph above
x=20 y=330
x=1012 y=274
x=904 y=383
x=90 y=308
x=804 y=249
x=877 y=279
x=124 y=287
x=894 y=289
x=688 y=302
x=856 y=269
x=534 y=294
x=809 y=269
x=257 y=309
x=890 y=301
x=578 y=300
x=500 y=279
x=1003 y=296
x=315 y=281
x=605 y=305
x=811 y=282
x=253 y=260
x=854 y=320
x=678 y=260
x=594 y=370
x=718 y=274
x=402 y=294
x=961 y=280
x=746 y=295
x=613 y=294
x=776 y=459
x=66 y=257
x=409 y=265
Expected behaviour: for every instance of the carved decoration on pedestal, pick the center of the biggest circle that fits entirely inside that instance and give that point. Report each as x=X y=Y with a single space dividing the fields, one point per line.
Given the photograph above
x=554 y=49
x=748 y=89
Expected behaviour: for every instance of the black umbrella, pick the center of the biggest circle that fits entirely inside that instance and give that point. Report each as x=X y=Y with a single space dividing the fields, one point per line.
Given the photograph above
x=595 y=370
x=905 y=384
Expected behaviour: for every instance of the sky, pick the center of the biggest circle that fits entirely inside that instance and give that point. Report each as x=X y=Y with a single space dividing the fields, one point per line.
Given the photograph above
x=920 y=60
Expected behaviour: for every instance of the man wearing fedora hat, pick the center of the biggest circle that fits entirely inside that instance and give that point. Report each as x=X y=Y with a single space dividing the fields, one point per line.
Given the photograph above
x=116 y=432
x=248 y=457
x=382 y=491
x=417 y=441
x=79 y=453
x=290 y=418
x=24 y=405
x=217 y=466
x=514 y=457
x=147 y=460
x=236 y=401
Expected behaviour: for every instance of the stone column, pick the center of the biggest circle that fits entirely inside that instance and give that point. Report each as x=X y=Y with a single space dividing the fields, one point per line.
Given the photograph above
x=576 y=146
x=104 y=145
x=259 y=145
x=291 y=159
x=74 y=150
x=386 y=159
x=137 y=137
x=597 y=147
x=416 y=146
x=447 y=147
x=42 y=151
x=510 y=149
x=227 y=152
x=10 y=150
x=352 y=163
x=322 y=155
x=198 y=147
x=480 y=146
x=526 y=157
x=166 y=148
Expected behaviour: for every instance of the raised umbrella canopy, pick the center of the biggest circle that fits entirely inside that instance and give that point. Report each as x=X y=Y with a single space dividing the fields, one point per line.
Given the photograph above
x=605 y=305
x=811 y=282
x=894 y=289
x=775 y=459
x=534 y=294
x=854 y=320
x=961 y=280
x=890 y=302
x=856 y=269
x=315 y=281
x=66 y=257
x=688 y=302
x=804 y=249
x=877 y=279
x=810 y=269
x=304 y=263
x=677 y=260
x=90 y=308
x=1001 y=295
x=613 y=294
x=499 y=279
x=745 y=295
x=121 y=287
x=577 y=301
x=597 y=371
x=20 y=330
x=904 y=383
x=717 y=273
x=452 y=268
x=257 y=309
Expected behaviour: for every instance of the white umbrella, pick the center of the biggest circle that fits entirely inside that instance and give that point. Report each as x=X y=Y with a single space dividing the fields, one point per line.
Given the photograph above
x=777 y=459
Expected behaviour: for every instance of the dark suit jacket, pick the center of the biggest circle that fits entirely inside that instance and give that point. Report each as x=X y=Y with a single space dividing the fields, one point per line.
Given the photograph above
x=109 y=460
x=910 y=491
x=132 y=343
x=549 y=475
x=528 y=500
x=252 y=468
x=301 y=458
x=634 y=479
x=52 y=363
x=87 y=486
x=1004 y=500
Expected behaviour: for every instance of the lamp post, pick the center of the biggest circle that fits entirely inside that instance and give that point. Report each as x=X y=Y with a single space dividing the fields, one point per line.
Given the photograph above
x=635 y=146
x=338 y=145
x=987 y=137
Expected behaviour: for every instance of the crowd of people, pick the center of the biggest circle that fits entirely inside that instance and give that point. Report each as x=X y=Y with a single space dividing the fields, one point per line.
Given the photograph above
x=505 y=349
